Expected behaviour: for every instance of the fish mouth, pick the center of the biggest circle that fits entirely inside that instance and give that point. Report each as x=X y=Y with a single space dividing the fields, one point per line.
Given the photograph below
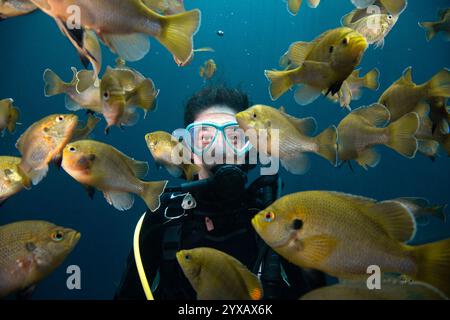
x=360 y=44
x=76 y=237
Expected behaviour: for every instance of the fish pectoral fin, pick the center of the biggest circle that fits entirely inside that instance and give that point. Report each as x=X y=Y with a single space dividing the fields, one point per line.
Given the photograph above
x=71 y=105
x=306 y=94
x=316 y=249
x=120 y=200
x=296 y=164
x=36 y=176
x=143 y=96
x=131 y=47
x=375 y=115
x=368 y=158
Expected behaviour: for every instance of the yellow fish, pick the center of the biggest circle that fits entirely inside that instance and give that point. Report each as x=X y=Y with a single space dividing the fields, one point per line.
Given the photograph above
x=363 y=129
x=404 y=95
x=439 y=114
x=293 y=6
x=12 y=179
x=294 y=136
x=442 y=25
x=42 y=141
x=352 y=87
x=322 y=64
x=9 y=115
x=30 y=251
x=215 y=275
x=14 y=8
x=123 y=88
x=165 y=148
x=208 y=69
x=343 y=235
x=76 y=98
x=374 y=27
x=390 y=290
x=98 y=165
x=124 y=25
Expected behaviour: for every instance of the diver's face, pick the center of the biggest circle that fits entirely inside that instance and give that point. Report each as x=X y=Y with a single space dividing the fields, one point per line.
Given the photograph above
x=217 y=154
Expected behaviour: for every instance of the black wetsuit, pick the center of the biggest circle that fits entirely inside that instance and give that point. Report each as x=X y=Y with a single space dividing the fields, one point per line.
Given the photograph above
x=223 y=225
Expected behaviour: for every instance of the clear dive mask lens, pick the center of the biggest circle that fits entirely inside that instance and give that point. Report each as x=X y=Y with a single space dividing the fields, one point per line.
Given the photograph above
x=201 y=137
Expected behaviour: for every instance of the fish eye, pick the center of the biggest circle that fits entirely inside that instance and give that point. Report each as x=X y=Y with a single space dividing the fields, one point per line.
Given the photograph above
x=46 y=129
x=106 y=95
x=345 y=41
x=331 y=49
x=269 y=216
x=187 y=257
x=254 y=115
x=297 y=224
x=57 y=236
x=72 y=149
x=390 y=17
x=59 y=118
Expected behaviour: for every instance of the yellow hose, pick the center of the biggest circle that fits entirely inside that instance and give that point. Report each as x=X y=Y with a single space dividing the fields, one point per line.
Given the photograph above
x=138 y=260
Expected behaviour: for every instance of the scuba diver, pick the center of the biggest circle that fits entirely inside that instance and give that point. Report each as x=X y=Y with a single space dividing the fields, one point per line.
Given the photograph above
x=214 y=211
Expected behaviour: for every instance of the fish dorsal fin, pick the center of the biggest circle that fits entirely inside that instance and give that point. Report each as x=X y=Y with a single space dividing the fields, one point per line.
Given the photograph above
x=406 y=78
x=84 y=80
x=298 y=51
x=421 y=202
x=442 y=13
x=393 y=217
x=394 y=7
x=376 y=114
x=347 y=19
x=306 y=126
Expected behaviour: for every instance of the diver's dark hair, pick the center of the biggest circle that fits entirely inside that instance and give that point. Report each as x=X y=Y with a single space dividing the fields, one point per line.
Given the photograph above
x=234 y=98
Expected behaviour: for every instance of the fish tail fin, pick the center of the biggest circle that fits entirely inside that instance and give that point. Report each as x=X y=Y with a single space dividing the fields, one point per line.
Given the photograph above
x=151 y=193
x=327 y=144
x=429 y=28
x=446 y=144
x=178 y=31
x=433 y=261
x=53 y=83
x=401 y=135
x=280 y=82
x=439 y=85
x=371 y=79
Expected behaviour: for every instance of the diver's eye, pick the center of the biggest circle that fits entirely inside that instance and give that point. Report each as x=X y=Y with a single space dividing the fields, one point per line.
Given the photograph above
x=57 y=236
x=331 y=49
x=72 y=149
x=269 y=216
x=59 y=118
x=297 y=224
x=345 y=41
x=106 y=95
x=187 y=257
